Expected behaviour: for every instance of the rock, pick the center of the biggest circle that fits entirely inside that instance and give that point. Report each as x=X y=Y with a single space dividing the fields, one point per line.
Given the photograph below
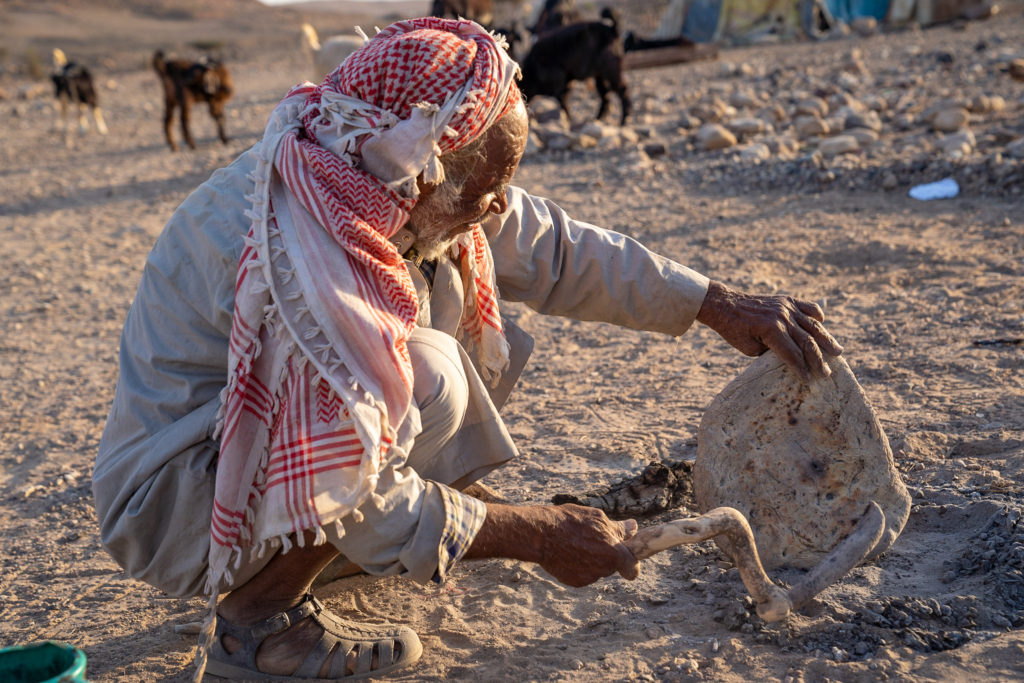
x=689 y=122
x=1016 y=69
x=800 y=461
x=585 y=141
x=547 y=110
x=865 y=136
x=840 y=144
x=555 y=139
x=596 y=130
x=848 y=81
x=628 y=136
x=949 y=120
x=903 y=122
x=655 y=149
x=875 y=102
x=868 y=119
x=808 y=126
x=741 y=99
x=1015 y=149
x=757 y=151
x=958 y=144
x=890 y=181
x=533 y=144
x=783 y=146
x=864 y=26
x=812 y=106
x=746 y=126
x=715 y=136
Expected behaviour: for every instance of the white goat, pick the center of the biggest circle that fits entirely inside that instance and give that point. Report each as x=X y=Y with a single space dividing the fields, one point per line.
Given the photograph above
x=333 y=51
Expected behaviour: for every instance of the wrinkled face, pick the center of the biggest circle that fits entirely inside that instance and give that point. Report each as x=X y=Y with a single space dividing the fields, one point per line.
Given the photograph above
x=445 y=211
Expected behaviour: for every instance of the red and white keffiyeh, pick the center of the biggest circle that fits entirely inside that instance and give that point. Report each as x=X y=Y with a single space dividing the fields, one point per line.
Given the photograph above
x=319 y=376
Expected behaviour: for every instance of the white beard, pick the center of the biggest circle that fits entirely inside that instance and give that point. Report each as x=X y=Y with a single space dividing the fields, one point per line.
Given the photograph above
x=433 y=247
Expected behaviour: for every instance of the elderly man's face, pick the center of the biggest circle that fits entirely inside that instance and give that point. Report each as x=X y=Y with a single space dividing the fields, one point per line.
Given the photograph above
x=443 y=212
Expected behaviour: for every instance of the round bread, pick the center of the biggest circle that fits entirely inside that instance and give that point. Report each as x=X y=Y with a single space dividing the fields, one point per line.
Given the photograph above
x=800 y=461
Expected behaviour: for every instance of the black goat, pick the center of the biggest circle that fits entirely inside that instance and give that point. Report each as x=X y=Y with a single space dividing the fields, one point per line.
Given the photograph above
x=185 y=82
x=577 y=52
x=73 y=83
x=555 y=14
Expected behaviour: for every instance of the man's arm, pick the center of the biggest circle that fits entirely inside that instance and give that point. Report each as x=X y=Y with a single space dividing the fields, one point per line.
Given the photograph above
x=561 y=266
x=575 y=544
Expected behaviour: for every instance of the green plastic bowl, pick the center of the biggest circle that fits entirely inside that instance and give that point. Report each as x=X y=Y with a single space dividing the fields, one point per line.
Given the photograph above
x=47 y=661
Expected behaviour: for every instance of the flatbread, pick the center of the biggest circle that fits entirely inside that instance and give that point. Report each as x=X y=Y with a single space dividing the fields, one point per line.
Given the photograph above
x=800 y=461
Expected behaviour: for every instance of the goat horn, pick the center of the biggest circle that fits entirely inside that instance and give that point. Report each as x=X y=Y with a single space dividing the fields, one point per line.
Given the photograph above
x=773 y=603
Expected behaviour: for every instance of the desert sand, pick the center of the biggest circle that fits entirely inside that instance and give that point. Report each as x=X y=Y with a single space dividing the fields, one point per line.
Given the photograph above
x=925 y=296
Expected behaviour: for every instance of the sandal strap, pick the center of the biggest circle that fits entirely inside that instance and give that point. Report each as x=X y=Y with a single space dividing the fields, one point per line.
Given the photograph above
x=251 y=637
x=282 y=620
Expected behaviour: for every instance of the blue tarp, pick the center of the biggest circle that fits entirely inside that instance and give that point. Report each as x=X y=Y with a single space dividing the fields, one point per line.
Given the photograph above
x=702 y=20
x=848 y=10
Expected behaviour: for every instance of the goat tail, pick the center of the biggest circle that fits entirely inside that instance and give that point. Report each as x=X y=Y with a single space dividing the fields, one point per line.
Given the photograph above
x=611 y=17
x=310 y=39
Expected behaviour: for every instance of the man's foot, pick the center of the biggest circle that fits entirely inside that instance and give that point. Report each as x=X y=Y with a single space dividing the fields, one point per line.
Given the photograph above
x=308 y=642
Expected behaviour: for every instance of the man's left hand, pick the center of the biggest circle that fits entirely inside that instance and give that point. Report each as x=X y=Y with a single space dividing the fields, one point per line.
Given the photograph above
x=753 y=323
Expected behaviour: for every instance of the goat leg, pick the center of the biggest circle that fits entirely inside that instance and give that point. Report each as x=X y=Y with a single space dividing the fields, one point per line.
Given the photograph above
x=773 y=603
x=847 y=554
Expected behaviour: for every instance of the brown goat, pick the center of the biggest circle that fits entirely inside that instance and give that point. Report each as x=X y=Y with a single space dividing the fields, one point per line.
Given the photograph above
x=186 y=82
x=480 y=11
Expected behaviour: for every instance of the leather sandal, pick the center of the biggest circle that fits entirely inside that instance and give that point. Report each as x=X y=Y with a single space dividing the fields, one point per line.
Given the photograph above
x=342 y=635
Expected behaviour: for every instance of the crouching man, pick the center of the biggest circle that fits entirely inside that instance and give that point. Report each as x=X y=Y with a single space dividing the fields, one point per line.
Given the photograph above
x=314 y=361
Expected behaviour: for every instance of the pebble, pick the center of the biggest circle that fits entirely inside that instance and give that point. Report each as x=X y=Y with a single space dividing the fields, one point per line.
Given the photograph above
x=713 y=136
x=840 y=144
x=950 y=120
x=809 y=125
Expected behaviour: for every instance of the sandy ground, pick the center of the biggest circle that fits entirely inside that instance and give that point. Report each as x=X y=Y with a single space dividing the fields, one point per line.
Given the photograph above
x=908 y=287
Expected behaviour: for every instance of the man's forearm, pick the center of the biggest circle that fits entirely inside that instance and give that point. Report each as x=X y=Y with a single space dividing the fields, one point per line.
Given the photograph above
x=509 y=531
x=577 y=545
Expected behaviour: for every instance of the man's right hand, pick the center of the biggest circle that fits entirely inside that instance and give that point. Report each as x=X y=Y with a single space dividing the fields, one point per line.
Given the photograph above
x=577 y=545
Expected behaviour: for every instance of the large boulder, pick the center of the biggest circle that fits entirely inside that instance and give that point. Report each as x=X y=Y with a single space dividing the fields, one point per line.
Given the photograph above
x=801 y=461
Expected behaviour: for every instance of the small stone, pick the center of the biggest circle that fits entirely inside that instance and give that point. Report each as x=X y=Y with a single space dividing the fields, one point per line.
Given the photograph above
x=840 y=144
x=713 y=136
x=757 y=151
x=655 y=149
x=741 y=99
x=746 y=126
x=812 y=106
x=689 y=122
x=950 y=120
x=809 y=126
x=864 y=136
x=958 y=144
x=1015 y=149
x=1016 y=69
x=864 y=26
x=868 y=119
x=890 y=181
